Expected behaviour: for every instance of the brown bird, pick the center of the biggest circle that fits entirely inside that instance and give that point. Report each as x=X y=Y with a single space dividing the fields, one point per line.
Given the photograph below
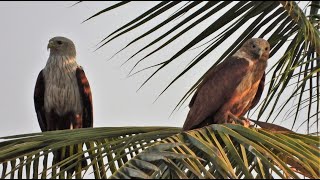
x=230 y=89
x=62 y=95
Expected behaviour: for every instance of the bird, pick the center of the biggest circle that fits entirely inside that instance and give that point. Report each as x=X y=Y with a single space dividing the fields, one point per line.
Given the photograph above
x=230 y=89
x=62 y=94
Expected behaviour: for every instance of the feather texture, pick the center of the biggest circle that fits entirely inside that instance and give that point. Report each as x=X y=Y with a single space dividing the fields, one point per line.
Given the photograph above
x=61 y=90
x=62 y=94
x=232 y=87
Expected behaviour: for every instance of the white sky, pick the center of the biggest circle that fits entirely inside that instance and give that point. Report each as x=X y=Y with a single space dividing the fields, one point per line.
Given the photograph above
x=26 y=28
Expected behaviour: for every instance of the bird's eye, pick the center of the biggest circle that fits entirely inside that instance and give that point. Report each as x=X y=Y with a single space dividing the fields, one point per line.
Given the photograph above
x=254 y=46
x=266 y=49
x=59 y=42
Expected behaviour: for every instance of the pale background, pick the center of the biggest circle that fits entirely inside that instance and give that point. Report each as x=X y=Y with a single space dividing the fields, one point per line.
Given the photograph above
x=26 y=28
x=25 y=31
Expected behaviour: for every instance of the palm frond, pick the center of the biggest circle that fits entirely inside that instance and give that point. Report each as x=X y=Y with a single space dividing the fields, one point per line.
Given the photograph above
x=290 y=31
x=216 y=151
x=114 y=145
x=227 y=151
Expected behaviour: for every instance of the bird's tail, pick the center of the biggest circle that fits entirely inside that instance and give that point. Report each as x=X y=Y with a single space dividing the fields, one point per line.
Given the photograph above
x=62 y=154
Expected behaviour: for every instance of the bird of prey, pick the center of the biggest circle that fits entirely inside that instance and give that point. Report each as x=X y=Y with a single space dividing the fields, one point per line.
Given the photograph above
x=62 y=95
x=231 y=88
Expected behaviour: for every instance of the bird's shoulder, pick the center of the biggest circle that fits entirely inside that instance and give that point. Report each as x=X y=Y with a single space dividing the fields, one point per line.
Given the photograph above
x=230 y=65
x=231 y=69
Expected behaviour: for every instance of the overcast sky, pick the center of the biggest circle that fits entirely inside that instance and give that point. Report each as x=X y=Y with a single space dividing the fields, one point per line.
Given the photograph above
x=26 y=28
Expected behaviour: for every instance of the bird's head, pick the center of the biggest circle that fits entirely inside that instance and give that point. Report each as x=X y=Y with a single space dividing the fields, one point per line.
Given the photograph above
x=257 y=48
x=61 y=46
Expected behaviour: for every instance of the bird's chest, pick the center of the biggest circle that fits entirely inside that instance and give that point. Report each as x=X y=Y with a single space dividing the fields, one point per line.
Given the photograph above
x=245 y=92
x=61 y=90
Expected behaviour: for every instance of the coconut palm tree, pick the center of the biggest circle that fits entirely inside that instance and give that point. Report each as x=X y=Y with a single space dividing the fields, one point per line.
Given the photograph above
x=216 y=151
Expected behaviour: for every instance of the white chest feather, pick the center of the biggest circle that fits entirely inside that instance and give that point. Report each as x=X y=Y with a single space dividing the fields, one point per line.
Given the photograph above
x=61 y=88
x=244 y=55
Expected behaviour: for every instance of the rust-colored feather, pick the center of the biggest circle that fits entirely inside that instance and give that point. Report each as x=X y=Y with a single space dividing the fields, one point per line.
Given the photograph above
x=216 y=88
x=231 y=88
x=85 y=92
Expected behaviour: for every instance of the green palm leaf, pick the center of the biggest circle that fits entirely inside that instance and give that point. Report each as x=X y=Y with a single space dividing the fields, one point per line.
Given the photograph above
x=115 y=145
x=231 y=151
x=216 y=151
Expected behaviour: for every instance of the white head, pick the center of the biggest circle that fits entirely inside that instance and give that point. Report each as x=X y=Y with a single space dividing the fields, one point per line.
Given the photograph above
x=61 y=46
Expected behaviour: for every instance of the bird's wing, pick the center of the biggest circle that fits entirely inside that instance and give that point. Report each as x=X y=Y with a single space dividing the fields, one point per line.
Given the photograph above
x=39 y=101
x=259 y=91
x=209 y=75
x=85 y=93
x=215 y=90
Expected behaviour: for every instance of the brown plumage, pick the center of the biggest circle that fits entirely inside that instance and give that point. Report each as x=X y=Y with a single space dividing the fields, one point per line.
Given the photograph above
x=62 y=95
x=231 y=88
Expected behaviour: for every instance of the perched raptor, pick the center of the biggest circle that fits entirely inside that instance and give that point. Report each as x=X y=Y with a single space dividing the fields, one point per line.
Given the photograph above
x=230 y=89
x=62 y=95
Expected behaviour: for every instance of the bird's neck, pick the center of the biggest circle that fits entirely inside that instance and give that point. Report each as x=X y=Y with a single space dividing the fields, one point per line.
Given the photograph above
x=66 y=63
x=242 y=54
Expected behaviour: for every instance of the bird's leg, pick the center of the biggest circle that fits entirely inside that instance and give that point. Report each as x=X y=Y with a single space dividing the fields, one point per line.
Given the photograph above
x=245 y=122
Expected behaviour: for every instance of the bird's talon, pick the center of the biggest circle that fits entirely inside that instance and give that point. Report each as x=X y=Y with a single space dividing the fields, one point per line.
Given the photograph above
x=241 y=120
x=246 y=123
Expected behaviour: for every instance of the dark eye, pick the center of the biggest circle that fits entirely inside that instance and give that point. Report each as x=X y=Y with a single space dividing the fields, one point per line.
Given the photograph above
x=266 y=49
x=59 y=42
x=254 y=46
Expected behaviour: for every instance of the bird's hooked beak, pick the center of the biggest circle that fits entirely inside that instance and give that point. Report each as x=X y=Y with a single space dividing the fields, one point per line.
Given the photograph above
x=260 y=52
x=50 y=45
